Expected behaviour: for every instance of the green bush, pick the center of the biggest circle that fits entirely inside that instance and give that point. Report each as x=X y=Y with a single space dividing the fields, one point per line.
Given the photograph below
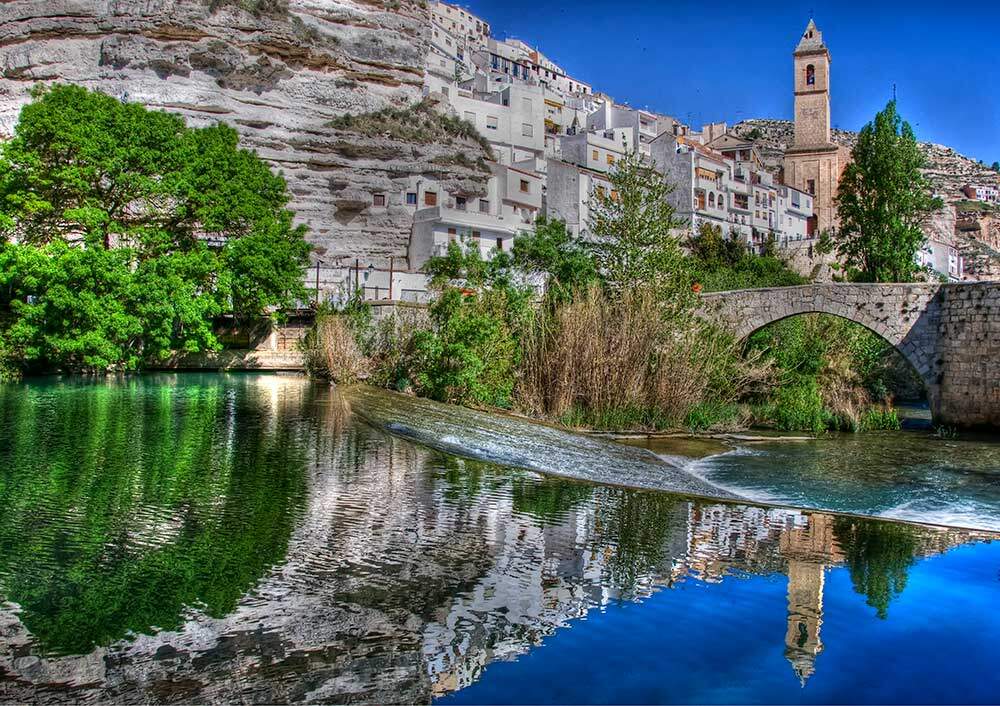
x=712 y=414
x=879 y=419
x=798 y=407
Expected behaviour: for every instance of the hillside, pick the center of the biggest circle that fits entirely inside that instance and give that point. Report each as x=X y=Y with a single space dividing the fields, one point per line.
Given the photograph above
x=947 y=170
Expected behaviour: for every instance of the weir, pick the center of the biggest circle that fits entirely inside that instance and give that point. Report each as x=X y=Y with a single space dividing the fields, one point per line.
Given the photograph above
x=949 y=333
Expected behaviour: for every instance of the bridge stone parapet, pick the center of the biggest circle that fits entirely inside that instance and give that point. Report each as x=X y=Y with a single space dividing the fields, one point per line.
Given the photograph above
x=949 y=333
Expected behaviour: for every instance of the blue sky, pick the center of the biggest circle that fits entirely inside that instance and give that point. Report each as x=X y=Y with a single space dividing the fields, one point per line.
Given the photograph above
x=731 y=61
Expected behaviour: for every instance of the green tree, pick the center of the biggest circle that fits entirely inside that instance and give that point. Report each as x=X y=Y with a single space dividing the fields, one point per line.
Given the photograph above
x=636 y=229
x=883 y=202
x=553 y=251
x=720 y=264
x=879 y=556
x=123 y=232
x=471 y=351
x=996 y=167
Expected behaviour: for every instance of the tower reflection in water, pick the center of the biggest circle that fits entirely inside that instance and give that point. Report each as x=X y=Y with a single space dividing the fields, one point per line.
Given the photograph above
x=394 y=573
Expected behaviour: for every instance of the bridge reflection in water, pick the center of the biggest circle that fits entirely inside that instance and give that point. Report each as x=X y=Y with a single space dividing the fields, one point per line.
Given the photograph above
x=408 y=571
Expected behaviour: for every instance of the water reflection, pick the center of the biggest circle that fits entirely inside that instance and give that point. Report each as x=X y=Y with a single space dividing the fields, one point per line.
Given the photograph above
x=244 y=539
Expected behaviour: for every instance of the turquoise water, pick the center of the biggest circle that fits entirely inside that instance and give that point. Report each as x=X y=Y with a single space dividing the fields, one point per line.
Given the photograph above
x=220 y=538
x=910 y=475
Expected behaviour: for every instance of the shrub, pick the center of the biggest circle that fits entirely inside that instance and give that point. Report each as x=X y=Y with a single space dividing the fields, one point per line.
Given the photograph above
x=599 y=358
x=332 y=351
x=418 y=123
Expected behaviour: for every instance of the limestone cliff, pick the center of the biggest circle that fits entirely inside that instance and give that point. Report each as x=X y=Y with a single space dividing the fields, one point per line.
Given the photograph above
x=276 y=70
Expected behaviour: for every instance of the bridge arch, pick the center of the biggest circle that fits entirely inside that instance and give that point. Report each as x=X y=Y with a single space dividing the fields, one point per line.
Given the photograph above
x=949 y=333
x=907 y=316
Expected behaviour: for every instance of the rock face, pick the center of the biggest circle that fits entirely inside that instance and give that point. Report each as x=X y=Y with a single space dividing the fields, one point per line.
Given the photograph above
x=276 y=70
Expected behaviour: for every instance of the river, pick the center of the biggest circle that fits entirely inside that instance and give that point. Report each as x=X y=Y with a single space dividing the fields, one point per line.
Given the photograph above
x=260 y=538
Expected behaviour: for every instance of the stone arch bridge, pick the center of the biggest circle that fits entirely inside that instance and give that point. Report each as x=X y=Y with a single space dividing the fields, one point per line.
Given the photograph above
x=949 y=333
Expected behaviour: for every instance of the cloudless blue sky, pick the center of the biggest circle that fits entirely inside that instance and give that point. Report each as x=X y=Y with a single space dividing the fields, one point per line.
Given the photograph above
x=728 y=61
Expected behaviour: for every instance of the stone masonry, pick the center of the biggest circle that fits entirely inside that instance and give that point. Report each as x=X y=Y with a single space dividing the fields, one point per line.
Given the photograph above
x=949 y=333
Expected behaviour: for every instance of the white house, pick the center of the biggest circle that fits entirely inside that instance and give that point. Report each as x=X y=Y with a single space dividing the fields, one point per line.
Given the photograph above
x=513 y=120
x=511 y=205
x=569 y=193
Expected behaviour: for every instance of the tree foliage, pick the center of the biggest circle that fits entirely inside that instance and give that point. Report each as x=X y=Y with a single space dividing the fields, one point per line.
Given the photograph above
x=564 y=260
x=471 y=351
x=721 y=264
x=883 y=201
x=123 y=232
x=636 y=232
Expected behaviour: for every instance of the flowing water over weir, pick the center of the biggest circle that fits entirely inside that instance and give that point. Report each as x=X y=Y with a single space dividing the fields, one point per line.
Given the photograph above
x=518 y=442
x=252 y=538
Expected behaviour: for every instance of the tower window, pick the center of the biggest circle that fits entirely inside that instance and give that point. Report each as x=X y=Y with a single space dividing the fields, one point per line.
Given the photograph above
x=810 y=75
x=811 y=186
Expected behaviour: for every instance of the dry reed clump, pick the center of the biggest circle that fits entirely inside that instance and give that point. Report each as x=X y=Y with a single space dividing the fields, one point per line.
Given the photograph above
x=332 y=351
x=605 y=356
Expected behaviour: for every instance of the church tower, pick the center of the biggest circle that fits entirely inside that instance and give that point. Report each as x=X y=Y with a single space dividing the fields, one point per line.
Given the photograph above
x=812 y=89
x=814 y=163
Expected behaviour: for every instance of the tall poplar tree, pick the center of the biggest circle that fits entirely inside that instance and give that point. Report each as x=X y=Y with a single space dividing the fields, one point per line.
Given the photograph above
x=636 y=232
x=883 y=202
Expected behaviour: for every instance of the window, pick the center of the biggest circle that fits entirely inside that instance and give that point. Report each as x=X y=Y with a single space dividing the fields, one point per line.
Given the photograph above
x=378 y=200
x=470 y=117
x=477 y=235
x=460 y=203
x=699 y=200
x=811 y=186
x=526 y=130
x=499 y=243
x=611 y=159
x=452 y=235
x=411 y=198
x=711 y=200
x=525 y=186
x=810 y=75
x=430 y=198
x=595 y=155
x=484 y=206
x=491 y=122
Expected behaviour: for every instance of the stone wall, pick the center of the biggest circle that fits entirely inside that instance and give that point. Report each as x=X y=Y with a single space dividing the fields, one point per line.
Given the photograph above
x=276 y=70
x=949 y=333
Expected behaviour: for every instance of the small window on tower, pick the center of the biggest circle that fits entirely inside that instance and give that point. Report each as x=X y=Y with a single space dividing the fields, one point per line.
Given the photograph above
x=810 y=75
x=811 y=186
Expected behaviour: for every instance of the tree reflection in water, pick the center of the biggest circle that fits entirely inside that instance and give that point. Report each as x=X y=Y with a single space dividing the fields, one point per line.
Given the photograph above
x=243 y=538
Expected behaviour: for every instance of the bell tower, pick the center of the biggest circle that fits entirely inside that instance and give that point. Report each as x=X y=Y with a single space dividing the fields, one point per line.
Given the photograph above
x=813 y=163
x=812 y=89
